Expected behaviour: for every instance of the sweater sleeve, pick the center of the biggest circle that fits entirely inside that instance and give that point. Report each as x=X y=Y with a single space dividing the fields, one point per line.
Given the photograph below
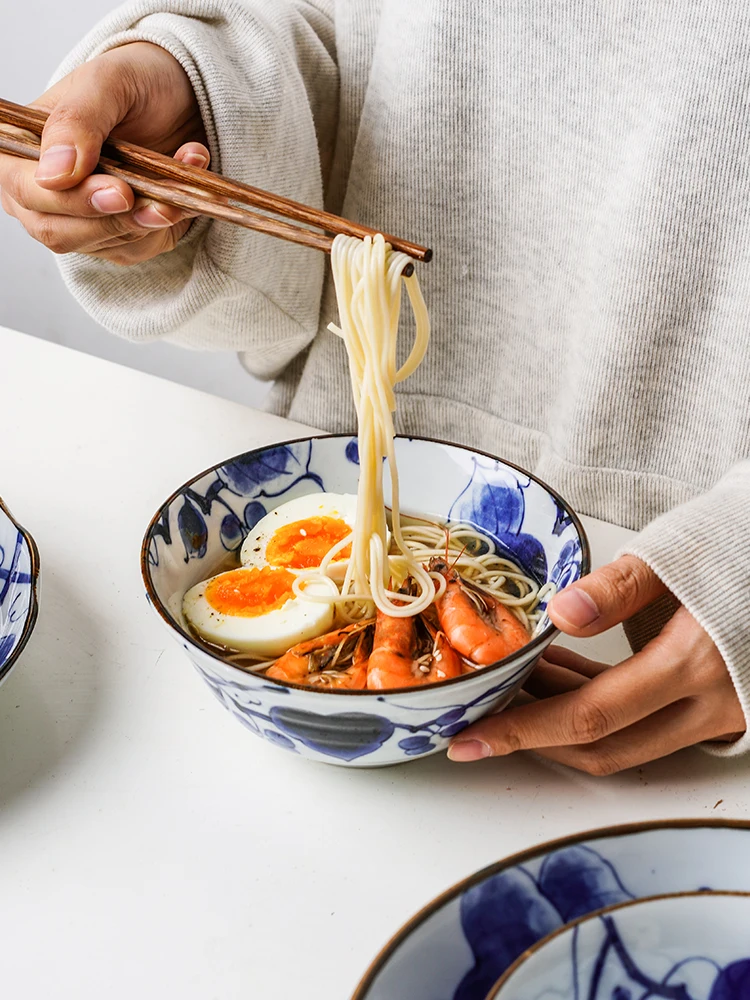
x=265 y=76
x=701 y=551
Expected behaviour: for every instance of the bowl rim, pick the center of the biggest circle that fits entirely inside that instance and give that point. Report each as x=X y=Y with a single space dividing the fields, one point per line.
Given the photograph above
x=33 y=612
x=532 y=950
x=537 y=642
x=511 y=861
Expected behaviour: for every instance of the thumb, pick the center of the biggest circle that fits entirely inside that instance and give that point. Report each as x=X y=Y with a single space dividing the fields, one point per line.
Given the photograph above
x=84 y=108
x=606 y=597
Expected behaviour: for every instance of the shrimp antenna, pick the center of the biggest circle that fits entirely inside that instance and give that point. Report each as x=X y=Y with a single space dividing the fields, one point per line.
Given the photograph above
x=458 y=556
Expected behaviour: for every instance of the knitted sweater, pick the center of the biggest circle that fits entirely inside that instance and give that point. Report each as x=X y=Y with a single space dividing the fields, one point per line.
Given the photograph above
x=581 y=171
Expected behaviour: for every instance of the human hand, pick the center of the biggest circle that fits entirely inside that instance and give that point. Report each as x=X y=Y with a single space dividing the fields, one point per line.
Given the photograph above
x=600 y=718
x=138 y=92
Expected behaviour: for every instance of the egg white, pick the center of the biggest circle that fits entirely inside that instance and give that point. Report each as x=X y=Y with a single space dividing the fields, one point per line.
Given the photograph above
x=339 y=505
x=265 y=636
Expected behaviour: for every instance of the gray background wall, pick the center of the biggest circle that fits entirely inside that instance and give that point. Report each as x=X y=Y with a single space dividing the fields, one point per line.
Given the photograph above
x=33 y=298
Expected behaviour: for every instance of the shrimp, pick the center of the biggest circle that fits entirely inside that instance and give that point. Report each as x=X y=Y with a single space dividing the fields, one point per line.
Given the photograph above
x=337 y=659
x=476 y=623
x=407 y=652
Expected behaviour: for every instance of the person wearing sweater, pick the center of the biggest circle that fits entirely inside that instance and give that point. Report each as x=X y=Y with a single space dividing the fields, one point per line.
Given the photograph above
x=582 y=172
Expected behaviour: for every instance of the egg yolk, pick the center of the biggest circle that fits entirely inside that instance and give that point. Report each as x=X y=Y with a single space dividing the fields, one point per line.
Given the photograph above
x=249 y=593
x=302 y=544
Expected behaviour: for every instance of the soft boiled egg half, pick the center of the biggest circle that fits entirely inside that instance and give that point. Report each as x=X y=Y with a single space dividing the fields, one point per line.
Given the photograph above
x=254 y=610
x=298 y=534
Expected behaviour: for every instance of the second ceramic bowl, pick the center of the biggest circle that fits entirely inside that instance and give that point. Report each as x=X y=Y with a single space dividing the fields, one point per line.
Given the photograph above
x=684 y=947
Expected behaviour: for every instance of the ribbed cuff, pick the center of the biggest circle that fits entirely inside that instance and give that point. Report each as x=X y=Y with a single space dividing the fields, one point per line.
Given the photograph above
x=701 y=551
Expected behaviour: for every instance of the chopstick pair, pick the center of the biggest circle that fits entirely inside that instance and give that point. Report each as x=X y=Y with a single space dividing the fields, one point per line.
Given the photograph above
x=197 y=190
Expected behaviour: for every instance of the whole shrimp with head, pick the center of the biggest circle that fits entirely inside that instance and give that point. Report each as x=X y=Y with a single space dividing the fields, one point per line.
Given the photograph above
x=476 y=623
x=410 y=651
x=335 y=660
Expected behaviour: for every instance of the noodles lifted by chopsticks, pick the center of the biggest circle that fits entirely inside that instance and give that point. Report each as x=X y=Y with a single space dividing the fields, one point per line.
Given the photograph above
x=367 y=276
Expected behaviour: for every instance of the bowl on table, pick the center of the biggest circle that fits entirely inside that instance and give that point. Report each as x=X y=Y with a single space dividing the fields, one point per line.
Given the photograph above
x=207 y=518
x=459 y=945
x=691 y=946
x=19 y=578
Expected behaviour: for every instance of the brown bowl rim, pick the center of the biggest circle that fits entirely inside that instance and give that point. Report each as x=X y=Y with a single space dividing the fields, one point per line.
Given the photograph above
x=538 y=642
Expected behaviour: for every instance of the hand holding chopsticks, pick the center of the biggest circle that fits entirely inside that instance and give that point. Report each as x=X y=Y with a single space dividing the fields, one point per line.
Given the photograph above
x=199 y=191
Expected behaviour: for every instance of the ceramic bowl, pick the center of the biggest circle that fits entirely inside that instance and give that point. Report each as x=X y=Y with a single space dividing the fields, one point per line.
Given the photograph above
x=210 y=516
x=687 y=946
x=459 y=945
x=19 y=578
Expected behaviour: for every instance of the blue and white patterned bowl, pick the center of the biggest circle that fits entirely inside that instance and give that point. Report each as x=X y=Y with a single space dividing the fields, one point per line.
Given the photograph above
x=19 y=580
x=688 y=946
x=459 y=945
x=210 y=516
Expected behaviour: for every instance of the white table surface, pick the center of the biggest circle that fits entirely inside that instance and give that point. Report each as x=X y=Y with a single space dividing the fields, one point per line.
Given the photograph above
x=149 y=845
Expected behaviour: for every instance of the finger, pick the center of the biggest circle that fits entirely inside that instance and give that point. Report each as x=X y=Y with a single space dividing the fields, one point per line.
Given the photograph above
x=606 y=597
x=128 y=254
x=155 y=214
x=63 y=234
x=679 y=725
x=572 y=660
x=84 y=108
x=548 y=681
x=149 y=214
x=613 y=700
x=195 y=154
x=95 y=196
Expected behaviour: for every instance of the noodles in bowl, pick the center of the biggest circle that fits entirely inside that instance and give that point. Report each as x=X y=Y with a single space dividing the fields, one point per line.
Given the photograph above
x=343 y=655
x=367 y=601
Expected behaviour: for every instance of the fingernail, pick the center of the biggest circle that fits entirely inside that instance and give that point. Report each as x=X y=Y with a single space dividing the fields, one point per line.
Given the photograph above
x=463 y=750
x=195 y=160
x=109 y=201
x=576 y=607
x=57 y=161
x=151 y=218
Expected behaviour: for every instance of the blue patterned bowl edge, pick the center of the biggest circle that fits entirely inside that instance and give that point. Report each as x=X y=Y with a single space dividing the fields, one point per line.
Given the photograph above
x=496 y=991
x=33 y=612
x=520 y=858
x=538 y=642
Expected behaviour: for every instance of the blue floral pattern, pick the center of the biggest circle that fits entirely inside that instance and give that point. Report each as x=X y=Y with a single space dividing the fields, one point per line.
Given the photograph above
x=495 y=498
x=18 y=575
x=509 y=913
x=345 y=736
x=211 y=516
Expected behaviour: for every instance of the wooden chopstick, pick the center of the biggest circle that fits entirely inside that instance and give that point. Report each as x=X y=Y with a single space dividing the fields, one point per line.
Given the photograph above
x=181 y=196
x=198 y=185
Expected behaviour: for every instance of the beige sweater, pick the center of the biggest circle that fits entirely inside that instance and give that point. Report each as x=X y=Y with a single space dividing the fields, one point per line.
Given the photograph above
x=581 y=171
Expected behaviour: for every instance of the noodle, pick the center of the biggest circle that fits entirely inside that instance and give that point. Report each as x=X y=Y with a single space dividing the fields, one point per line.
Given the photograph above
x=367 y=277
x=475 y=556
